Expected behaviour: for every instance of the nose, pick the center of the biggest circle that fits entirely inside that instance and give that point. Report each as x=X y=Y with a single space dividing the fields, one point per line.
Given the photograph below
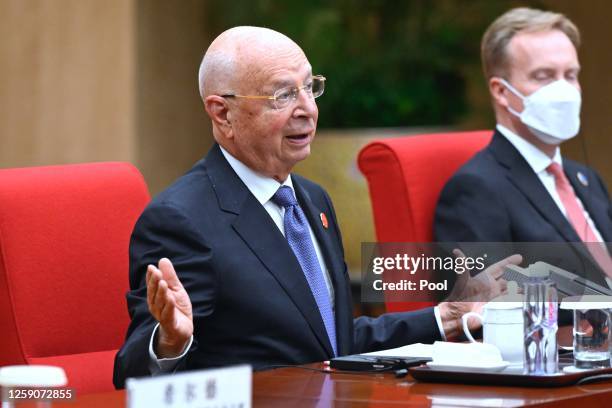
x=305 y=105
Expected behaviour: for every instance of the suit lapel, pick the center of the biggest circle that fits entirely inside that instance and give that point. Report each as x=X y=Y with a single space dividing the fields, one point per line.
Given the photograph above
x=596 y=210
x=260 y=233
x=525 y=180
x=523 y=177
x=254 y=225
x=592 y=201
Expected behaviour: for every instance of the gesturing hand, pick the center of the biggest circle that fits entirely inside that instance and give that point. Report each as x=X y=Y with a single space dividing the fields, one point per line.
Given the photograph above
x=170 y=305
x=486 y=285
x=471 y=293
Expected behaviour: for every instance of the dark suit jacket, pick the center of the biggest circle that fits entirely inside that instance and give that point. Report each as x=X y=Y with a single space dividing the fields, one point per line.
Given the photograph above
x=251 y=301
x=496 y=197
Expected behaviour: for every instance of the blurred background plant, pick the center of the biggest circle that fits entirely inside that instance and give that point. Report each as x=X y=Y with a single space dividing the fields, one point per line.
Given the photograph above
x=388 y=63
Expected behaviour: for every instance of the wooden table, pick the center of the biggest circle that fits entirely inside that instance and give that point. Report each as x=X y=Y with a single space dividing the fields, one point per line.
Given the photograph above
x=298 y=388
x=294 y=388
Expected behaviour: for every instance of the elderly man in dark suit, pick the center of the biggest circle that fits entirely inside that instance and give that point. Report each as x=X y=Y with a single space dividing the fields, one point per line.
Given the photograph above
x=240 y=261
x=520 y=188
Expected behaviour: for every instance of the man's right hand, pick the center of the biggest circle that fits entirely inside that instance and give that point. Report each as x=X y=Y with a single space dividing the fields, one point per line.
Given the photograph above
x=170 y=305
x=471 y=293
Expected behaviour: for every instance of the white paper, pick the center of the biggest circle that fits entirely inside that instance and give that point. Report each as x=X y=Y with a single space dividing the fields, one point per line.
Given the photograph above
x=419 y=350
x=223 y=387
x=465 y=353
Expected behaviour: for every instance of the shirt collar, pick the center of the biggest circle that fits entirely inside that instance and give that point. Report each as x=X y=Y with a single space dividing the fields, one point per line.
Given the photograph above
x=536 y=158
x=262 y=187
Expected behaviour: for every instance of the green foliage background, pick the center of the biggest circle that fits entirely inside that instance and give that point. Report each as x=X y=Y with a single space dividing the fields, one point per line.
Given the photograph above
x=388 y=63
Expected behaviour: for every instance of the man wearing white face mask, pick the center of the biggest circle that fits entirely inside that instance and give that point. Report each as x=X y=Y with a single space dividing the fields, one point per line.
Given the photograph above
x=520 y=188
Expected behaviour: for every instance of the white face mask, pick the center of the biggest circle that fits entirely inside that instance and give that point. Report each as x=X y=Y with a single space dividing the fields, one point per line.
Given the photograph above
x=552 y=113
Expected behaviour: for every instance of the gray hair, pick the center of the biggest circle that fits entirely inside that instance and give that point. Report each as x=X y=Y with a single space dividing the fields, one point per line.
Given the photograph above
x=216 y=70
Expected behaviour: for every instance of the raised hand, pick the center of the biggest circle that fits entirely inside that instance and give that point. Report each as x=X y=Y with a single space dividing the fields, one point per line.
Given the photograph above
x=170 y=305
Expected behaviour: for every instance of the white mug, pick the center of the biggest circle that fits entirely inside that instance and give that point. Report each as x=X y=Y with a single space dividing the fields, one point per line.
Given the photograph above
x=502 y=324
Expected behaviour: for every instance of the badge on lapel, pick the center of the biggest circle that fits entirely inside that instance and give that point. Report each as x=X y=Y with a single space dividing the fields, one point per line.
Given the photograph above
x=582 y=179
x=324 y=220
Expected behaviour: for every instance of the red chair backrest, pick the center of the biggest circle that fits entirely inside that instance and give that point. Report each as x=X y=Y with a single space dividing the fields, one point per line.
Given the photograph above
x=405 y=177
x=64 y=236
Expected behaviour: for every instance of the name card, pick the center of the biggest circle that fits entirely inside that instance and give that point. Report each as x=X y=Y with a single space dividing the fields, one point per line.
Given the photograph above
x=224 y=387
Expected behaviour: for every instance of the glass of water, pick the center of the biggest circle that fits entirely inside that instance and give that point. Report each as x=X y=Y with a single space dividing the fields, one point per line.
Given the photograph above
x=592 y=330
x=540 y=310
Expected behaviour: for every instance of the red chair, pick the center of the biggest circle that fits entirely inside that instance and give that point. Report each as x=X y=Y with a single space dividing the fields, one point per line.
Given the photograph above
x=405 y=177
x=64 y=235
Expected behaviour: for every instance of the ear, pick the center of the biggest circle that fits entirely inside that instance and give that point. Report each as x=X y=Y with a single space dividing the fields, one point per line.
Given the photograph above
x=499 y=92
x=219 y=112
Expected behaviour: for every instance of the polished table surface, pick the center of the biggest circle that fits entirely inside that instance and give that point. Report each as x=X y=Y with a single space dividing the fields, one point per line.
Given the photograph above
x=295 y=387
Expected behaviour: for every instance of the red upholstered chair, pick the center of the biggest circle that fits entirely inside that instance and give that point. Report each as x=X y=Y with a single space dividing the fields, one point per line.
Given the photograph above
x=64 y=235
x=405 y=177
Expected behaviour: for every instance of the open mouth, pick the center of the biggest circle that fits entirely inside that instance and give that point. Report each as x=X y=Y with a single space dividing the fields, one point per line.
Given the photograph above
x=298 y=137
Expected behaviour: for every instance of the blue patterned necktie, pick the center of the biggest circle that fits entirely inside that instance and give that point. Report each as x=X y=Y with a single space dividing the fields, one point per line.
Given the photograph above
x=298 y=236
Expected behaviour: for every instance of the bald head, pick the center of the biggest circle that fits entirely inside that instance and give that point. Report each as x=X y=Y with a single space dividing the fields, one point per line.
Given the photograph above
x=241 y=71
x=238 y=54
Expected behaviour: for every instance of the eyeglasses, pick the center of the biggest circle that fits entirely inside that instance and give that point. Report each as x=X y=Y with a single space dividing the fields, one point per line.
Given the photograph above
x=284 y=96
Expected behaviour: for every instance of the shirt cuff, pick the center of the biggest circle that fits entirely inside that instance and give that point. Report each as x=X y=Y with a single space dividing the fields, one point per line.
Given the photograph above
x=439 y=321
x=164 y=365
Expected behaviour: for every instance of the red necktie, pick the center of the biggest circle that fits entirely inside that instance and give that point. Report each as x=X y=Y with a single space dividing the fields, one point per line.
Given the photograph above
x=576 y=217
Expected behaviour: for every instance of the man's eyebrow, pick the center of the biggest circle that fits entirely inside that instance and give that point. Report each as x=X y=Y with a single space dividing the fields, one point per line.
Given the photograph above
x=542 y=70
x=282 y=83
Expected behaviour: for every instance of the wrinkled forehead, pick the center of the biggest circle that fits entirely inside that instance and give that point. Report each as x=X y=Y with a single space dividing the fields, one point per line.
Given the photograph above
x=265 y=65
